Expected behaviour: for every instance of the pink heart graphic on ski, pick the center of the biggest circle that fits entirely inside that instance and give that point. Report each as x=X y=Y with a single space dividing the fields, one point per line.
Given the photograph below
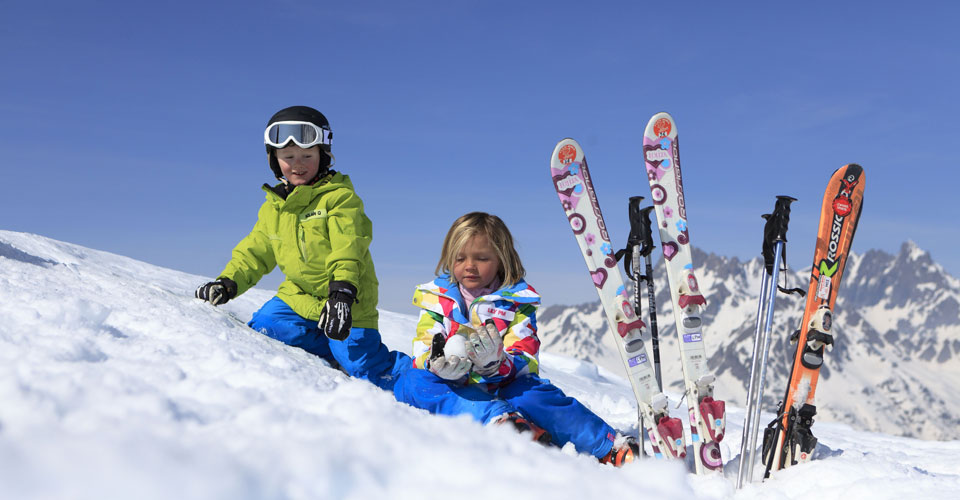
x=670 y=250
x=599 y=277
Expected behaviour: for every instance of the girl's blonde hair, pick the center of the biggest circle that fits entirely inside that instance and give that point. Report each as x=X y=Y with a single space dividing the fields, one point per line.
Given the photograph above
x=474 y=223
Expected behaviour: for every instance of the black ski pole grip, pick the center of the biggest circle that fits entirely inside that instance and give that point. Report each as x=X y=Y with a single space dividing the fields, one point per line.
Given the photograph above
x=775 y=229
x=646 y=232
x=781 y=215
x=636 y=221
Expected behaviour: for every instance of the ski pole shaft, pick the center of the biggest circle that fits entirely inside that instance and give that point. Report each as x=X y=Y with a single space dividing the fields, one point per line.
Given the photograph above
x=635 y=250
x=768 y=325
x=773 y=248
x=633 y=207
x=641 y=233
x=746 y=452
x=654 y=336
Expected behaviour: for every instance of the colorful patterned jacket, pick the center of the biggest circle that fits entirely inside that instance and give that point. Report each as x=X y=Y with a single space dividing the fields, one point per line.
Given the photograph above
x=512 y=308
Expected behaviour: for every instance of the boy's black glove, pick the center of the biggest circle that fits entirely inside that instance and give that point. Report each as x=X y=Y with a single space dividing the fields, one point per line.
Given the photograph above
x=335 y=319
x=217 y=292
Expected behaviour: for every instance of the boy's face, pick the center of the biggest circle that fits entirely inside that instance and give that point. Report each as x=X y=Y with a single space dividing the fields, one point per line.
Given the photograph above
x=299 y=166
x=476 y=265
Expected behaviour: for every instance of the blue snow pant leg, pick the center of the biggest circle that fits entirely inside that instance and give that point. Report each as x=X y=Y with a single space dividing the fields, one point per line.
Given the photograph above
x=422 y=389
x=276 y=320
x=565 y=418
x=363 y=355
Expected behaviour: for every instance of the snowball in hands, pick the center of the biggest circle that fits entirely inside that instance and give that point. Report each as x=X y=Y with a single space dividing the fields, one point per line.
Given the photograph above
x=456 y=346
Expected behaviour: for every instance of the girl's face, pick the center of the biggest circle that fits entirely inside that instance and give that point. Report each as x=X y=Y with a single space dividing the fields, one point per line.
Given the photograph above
x=299 y=165
x=476 y=265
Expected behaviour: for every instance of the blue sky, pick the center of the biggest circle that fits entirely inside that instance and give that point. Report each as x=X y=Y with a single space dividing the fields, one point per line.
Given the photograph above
x=137 y=127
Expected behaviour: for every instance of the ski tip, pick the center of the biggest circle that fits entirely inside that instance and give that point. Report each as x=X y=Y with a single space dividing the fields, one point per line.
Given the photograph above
x=567 y=150
x=855 y=168
x=661 y=125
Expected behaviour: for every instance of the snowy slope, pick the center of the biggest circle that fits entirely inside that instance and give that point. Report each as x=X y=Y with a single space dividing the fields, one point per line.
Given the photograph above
x=894 y=367
x=115 y=383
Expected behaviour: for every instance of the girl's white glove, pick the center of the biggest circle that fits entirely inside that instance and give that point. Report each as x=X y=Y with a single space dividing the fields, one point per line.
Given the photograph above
x=485 y=349
x=449 y=367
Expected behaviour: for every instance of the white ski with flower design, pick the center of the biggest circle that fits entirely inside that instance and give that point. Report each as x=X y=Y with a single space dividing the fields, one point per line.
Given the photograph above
x=661 y=154
x=571 y=178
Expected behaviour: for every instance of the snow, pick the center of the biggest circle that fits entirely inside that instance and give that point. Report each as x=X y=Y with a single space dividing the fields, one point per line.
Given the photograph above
x=915 y=252
x=116 y=383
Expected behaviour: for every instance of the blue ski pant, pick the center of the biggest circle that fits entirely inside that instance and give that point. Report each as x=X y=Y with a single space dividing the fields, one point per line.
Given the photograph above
x=566 y=419
x=363 y=355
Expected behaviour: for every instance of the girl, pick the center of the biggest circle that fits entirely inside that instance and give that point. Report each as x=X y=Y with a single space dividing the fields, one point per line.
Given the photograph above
x=480 y=297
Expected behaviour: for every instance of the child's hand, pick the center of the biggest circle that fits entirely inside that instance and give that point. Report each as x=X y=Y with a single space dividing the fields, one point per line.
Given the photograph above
x=335 y=318
x=217 y=292
x=449 y=367
x=485 y=349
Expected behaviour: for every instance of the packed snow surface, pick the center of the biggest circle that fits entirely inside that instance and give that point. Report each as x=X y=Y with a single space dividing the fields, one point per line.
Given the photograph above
x=116 y=383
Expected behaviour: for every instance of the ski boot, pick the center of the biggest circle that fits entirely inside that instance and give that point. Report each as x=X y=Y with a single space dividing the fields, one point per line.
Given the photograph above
x=522 y=425
x=625 y=450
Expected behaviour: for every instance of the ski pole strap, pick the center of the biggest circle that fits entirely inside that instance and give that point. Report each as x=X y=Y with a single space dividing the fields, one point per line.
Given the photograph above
x=802 y=292
x=627 y=262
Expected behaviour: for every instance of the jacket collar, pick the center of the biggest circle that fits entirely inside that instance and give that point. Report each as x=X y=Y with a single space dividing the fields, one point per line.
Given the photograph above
x=448 y=300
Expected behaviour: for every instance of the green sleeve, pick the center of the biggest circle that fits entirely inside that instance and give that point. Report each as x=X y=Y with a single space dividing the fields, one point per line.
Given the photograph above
x=350 y=233
x=252 y=258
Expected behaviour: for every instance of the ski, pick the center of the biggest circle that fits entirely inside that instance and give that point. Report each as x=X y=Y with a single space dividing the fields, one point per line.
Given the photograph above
x=788 y=440
x=571 y=178
x=707 y=415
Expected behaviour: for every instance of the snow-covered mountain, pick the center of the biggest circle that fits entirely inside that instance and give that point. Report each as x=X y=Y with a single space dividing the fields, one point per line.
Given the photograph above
x=895 y=365
x=115 y=384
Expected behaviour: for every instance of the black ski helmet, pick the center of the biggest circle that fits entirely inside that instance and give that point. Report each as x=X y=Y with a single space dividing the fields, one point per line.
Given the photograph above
x=302 y=114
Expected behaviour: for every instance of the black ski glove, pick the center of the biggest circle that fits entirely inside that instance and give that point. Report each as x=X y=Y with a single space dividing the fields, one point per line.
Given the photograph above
x=217 y=292
x=335 y=319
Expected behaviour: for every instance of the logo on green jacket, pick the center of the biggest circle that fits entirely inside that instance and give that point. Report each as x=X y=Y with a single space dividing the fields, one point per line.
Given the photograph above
x=313 y=215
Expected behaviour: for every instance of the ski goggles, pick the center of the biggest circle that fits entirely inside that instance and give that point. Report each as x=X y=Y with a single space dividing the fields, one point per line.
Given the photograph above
x=303 y=134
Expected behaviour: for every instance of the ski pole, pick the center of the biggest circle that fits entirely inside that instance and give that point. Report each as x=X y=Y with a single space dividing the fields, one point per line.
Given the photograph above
x=646 y=241
x=634 y=272
x=640 y=244
x=748 y=441
x=774 y=242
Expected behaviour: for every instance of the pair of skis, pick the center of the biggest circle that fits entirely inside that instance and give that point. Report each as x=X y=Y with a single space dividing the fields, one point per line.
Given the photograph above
x=707 y=420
